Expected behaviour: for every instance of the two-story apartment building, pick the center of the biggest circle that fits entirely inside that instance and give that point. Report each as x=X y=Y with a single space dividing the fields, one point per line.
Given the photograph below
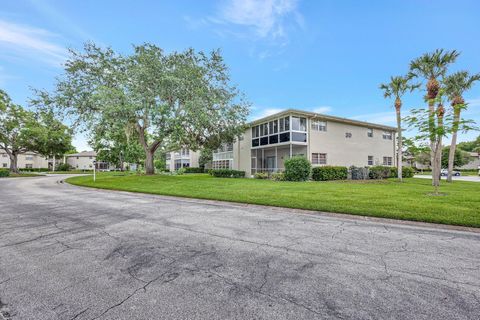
x=182 y=158
x=26 y=160
x=323 y=139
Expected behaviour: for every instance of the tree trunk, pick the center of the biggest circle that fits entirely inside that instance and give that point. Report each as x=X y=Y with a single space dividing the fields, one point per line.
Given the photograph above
x=53 y=164
x=431 y=110
x=453 y=144
x=13 y=162
x=149 y=167
x=399 y=145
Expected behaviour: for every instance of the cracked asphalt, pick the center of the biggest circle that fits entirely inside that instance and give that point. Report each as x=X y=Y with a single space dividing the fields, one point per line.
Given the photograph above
x=74 y=253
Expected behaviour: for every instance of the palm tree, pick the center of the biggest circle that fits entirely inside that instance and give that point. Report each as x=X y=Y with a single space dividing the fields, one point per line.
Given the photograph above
x=432 y=66
x=455 y=86
x=397 y=87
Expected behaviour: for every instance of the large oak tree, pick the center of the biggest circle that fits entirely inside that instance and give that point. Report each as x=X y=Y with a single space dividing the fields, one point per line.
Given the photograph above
x=179 y=99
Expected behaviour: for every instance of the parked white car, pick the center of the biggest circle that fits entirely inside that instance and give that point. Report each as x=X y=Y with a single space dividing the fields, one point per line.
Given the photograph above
x=444 y=172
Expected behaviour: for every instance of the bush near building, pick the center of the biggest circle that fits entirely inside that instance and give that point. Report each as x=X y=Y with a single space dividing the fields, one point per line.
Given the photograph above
x=327 y=173
x=380 y=172
x=407 y=172
x=297 y=169
x=260 y=175
x=227 y=173
x=358 y=173
x=4 y=173
x=194 y=170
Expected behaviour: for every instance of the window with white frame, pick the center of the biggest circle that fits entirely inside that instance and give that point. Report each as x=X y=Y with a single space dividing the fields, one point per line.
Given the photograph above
x=318 y=125
x=4 y=165
x=370 y=132
x=387 y=135
x=4 y=155
x=348 y=135
x=299 y=124
x=370 y=161
x=387 y=161
x=319 y=158
x=30 y=158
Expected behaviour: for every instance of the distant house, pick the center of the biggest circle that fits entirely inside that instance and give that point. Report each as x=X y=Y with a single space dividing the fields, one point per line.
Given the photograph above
x=85 y=160
x=27 y=160
x=474 y=162
x=182 y=158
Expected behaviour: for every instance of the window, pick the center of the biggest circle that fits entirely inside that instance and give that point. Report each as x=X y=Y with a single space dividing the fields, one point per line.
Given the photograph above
x=299 y=124
x=348 y=135
x=285 y=137
x=89 y=157
x=370 y=161
x=387 y=135
x=4 y=165
x=298 y=136
x=370 y=132
x=263 y=129
x=168 y=156
x=387 y=161
x=273 y=126
x=319 y=158
x=4 y=155
x=29 y=158
x=318 y=125
x=255 y=132
x=29 y=166
x=77 y=158
x=229 y=147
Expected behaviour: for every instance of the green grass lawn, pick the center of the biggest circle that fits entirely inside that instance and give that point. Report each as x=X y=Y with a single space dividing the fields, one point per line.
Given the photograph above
x=409 y=200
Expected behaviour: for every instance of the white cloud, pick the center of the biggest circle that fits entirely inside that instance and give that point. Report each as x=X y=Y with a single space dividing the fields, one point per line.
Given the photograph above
x=30 y=42
x=322 y=109
x=266 y=18
x=269 y=111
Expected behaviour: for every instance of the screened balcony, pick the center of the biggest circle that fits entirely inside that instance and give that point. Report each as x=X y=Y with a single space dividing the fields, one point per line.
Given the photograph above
x=272 y=159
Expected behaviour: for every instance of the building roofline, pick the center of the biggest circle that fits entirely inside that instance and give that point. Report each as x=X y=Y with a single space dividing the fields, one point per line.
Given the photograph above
x=322 y=116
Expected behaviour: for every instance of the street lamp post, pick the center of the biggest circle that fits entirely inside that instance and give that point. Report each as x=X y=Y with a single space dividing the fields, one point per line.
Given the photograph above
x=94 y=169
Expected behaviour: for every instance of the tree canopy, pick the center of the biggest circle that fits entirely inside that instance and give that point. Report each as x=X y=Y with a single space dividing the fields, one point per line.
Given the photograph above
x=169 y=100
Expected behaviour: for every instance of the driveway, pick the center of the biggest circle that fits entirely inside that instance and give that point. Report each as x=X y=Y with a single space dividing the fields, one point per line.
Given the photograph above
x=460 y=178
x=74 y=253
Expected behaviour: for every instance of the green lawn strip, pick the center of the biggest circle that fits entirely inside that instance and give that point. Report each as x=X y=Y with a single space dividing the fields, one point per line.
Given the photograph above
x=388 y=198
x=24 y=175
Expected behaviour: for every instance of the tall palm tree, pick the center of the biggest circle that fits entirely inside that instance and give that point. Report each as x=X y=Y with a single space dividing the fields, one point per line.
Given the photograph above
x=397 y=87
x=455 y=86
x=431 y=67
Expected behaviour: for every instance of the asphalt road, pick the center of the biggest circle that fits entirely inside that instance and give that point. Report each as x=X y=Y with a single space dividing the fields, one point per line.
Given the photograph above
x=460 y=178
x=75 y=253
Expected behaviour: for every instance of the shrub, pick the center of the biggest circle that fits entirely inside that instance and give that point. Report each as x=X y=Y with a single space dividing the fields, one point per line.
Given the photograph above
x=278 y=176
x=260 y=175
x=407 y=172
x=181 y=171
x=194 y=170
x=329 y=173
x=4 y=173
x=358 y=173
x=297 y=169
x=227 y=173
x=34 y=169
x=380 y=172
x=63 y=167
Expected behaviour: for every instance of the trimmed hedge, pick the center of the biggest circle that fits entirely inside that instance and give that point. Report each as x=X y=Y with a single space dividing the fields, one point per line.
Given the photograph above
x=327 y=173
x=34 y=169
x=277 y=176
x=380 y=172
x=4 y=173
x=226 y=173
x=194 y=170
x=297 y=169
x=407 y=172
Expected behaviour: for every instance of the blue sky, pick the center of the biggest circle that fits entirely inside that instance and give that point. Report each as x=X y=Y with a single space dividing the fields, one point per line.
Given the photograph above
x=327 y=56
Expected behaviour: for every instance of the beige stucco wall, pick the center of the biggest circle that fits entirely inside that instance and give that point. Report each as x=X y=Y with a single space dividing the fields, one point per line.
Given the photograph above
x=343 y=151
x=82 y=163
x=192 y=159
x=35 y=160
x=241 y=153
